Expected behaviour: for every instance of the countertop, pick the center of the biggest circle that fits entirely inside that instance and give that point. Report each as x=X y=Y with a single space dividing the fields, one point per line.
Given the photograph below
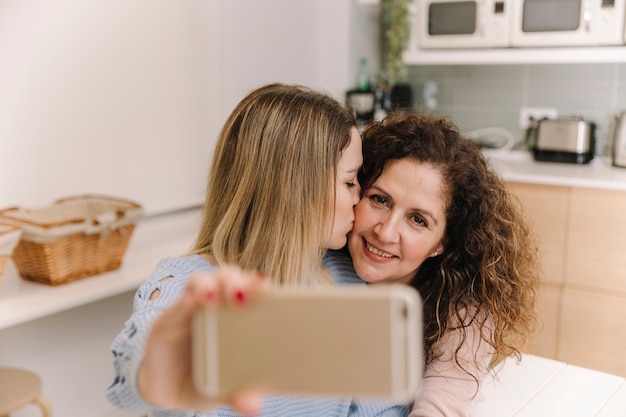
x=519 y=166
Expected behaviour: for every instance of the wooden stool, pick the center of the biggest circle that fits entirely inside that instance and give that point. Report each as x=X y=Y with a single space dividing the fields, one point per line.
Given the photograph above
x=19 y=387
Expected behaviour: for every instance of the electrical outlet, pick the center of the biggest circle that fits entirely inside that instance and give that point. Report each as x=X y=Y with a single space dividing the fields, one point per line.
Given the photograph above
x=536 y=113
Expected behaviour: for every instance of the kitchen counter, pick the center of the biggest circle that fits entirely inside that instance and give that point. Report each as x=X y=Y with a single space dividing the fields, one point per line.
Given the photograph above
x=519 y=166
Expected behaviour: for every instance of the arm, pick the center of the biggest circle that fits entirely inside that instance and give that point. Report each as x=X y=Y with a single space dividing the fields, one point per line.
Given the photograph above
x=447 y=389
x=129 y=346
x=152 y=355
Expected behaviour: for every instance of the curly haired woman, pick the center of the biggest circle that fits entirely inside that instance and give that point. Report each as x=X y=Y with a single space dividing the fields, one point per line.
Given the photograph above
x=436 y=216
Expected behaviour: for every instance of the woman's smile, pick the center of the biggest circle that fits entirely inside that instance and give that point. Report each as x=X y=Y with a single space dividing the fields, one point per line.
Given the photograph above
x=377 y=253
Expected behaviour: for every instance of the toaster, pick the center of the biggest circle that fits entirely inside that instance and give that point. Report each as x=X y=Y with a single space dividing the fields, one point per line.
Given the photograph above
x=563 y=140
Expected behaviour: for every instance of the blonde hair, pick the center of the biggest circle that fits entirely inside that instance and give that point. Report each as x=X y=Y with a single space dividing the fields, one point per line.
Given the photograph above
x=270 y=195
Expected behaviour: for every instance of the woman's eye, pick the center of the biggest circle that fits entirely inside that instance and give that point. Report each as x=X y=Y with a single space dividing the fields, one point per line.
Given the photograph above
x=379 y=199
x=351 y=184
x=419 y=220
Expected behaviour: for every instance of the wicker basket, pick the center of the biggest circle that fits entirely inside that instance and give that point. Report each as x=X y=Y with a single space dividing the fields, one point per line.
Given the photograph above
x=74 y=238
x=9 y=236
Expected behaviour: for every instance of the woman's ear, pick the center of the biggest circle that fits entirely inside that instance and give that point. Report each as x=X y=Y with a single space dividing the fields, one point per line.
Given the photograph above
x=438 y=251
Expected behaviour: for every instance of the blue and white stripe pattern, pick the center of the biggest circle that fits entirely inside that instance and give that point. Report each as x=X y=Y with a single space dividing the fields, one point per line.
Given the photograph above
x=129 y=345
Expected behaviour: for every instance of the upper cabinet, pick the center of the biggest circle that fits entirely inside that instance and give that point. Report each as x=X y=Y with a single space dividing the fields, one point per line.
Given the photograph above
x=448 y=32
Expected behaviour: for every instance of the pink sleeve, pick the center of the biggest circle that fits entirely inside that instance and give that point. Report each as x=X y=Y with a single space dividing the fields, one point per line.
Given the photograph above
x=447 y=390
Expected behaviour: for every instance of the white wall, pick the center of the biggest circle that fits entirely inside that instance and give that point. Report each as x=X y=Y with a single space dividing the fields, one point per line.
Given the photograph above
x=291 y=41
x=107 y=96
x=126 y=97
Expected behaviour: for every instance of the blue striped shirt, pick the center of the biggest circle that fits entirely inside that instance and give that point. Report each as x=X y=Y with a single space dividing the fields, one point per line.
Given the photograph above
x=128 y=347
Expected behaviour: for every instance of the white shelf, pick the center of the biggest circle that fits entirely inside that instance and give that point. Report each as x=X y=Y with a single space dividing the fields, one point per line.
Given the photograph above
x=154 y=238
x=571 y=55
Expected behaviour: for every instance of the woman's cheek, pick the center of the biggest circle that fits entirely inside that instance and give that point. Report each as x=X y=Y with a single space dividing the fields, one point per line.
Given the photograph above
x=362 y=216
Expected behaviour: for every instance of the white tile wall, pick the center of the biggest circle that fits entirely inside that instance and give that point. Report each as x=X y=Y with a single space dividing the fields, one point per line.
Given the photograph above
x=478 y=96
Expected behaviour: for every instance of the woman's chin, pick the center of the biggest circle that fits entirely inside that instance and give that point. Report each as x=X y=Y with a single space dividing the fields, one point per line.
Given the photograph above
x=368 y=275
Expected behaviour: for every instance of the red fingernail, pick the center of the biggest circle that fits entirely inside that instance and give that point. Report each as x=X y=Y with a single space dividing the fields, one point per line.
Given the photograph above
x=209 y=296
x=240 y=297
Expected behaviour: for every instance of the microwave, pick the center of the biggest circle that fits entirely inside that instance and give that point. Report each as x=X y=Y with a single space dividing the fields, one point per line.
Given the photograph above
x=464 y=23
x=568 y=23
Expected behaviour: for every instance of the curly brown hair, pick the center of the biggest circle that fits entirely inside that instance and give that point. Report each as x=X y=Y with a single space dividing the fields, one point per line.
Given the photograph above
x=489 y=266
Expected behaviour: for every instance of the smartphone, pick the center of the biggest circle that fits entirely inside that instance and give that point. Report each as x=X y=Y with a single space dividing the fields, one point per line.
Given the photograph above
x=350 y=340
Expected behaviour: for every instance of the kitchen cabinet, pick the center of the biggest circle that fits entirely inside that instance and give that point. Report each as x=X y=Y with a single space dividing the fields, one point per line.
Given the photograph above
x=597 y=240
x=582 y=297
x=547 y=211
x=593 y=332
x=545 y=207
x=549 y=300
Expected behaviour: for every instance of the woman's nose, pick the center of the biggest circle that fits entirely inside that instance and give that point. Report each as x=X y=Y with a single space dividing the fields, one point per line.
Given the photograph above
x=387 y=229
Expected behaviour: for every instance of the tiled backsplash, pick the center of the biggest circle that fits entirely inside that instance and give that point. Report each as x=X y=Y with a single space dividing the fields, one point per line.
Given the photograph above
x=478 y=96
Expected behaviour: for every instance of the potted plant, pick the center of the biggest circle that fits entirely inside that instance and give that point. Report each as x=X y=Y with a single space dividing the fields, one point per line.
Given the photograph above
x=395 y=27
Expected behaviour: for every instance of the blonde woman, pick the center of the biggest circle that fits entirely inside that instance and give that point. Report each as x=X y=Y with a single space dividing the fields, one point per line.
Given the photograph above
x=281 y=191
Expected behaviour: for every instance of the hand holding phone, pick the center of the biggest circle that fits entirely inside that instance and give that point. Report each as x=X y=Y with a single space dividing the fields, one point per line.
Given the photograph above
x=351 y=340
